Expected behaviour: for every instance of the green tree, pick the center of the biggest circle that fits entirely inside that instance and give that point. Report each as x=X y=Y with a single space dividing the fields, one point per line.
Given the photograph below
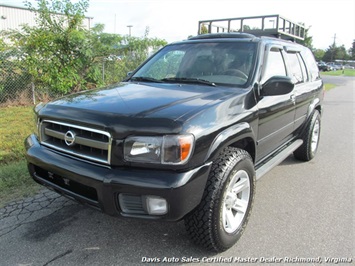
x=103 y=68
x=335 y=53
x=56 y=51
x=308 y=40
x=319 y=54
x=63 y=56
x=14 y=77
x=352 y=51
x=122 y=54
x=203 y=29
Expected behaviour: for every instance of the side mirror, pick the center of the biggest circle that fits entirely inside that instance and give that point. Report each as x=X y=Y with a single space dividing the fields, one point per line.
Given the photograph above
x=277 y=85
x=129 y=74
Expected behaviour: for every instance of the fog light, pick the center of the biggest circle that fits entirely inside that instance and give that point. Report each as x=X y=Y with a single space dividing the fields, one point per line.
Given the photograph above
x=156 y=205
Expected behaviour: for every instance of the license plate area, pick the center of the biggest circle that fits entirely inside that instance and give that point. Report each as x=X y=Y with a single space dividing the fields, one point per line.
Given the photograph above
x=68 y=184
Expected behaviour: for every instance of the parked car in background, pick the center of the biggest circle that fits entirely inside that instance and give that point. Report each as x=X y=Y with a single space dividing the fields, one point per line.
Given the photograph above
x=324 y=66
x=349 y=67
x=335 y=66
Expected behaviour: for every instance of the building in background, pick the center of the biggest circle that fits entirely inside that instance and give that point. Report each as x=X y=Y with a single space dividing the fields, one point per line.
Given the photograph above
x=16 y=85
x=12 y=17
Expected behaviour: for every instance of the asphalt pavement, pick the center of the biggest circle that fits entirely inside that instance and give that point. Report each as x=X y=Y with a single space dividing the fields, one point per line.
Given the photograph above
x=303 y=214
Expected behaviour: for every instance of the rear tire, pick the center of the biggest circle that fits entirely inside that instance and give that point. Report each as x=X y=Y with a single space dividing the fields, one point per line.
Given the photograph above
x=220 y=219
x=307 y=151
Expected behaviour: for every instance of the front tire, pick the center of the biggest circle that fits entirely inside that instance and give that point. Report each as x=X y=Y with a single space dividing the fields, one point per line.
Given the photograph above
x=220 y=219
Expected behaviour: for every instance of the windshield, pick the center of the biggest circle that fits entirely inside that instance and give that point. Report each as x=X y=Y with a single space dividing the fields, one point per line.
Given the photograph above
x=217 y=63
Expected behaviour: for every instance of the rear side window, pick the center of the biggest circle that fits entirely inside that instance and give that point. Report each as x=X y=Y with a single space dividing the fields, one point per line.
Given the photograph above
x=311 y=64
x=275 y=65
x=295 y=65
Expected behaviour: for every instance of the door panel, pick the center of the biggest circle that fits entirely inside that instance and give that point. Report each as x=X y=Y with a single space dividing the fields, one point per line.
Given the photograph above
x=276 y=123
x=276 y=113
x=303 y=94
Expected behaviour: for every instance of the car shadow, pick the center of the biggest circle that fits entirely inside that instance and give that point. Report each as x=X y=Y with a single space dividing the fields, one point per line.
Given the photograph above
x=291 y=160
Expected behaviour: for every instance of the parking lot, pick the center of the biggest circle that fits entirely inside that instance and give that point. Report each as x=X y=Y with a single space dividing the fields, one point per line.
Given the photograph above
x=303 y=213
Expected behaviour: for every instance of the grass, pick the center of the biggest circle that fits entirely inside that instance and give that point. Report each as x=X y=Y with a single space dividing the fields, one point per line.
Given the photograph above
x=16 y=123
x=15 y=182
x=328 y=86
x=345 y=72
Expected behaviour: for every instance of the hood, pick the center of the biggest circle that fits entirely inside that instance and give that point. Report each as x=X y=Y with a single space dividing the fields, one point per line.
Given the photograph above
x=128 y=104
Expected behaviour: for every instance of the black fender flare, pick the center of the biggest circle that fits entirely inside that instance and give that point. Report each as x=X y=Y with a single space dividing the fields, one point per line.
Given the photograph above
x=313 y=105
x=228 y=137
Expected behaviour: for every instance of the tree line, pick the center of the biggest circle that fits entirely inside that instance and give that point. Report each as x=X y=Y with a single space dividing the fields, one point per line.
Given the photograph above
x=334 y=52
x=60 y=54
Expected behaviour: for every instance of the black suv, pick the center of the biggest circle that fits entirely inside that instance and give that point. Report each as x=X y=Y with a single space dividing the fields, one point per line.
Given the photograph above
x=187 y=135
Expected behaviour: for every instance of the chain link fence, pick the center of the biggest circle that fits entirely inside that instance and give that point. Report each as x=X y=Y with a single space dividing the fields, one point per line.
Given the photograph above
x=17 y=86
x=15 y=82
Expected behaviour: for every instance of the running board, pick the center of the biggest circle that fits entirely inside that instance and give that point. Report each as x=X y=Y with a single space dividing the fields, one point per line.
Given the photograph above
x=278 y=159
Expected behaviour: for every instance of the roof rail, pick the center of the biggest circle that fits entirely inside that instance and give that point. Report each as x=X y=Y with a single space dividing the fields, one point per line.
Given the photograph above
x=237 y=35
x=269 y=25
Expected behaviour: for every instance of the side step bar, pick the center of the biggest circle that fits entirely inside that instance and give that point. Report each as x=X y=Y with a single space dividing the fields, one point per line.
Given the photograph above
x=277 y=159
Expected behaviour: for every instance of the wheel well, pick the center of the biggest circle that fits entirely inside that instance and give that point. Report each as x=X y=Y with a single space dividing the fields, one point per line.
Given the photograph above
x=319 y=109
x=246 y=144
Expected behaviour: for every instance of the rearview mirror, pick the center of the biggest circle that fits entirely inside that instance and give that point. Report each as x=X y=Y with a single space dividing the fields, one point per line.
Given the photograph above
x=277 y=85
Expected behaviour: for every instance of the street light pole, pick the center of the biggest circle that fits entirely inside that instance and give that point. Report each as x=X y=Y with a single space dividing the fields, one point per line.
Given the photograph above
x=129 y=27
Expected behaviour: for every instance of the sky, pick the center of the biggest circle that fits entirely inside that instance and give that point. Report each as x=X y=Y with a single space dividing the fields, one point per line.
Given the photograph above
x=175 y=20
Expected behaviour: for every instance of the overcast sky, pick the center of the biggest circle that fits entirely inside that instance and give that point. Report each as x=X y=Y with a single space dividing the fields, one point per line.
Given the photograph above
x=175 y=20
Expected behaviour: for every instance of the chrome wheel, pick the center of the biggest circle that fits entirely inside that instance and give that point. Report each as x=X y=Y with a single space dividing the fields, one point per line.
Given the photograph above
x=315 y=136
x=222 y=215
x=235 y=201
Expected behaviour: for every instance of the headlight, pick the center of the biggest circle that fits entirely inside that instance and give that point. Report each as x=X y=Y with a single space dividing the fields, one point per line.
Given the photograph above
x=169 y=149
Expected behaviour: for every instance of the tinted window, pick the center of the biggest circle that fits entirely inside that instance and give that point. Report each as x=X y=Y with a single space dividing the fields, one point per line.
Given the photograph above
x=303 y=66
x=274 y=66
x=223 y=63
x=166 y=66
x=311 y=64
x=295 y=68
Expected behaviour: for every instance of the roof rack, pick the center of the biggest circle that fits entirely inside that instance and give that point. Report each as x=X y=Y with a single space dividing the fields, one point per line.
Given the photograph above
x=270 y=25
x=237 y=35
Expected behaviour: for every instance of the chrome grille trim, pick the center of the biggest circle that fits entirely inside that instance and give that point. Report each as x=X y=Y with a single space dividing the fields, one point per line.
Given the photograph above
x=91 y=144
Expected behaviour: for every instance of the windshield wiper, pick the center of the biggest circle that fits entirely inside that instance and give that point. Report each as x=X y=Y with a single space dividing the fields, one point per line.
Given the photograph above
x=190 y=81
x=147 y=79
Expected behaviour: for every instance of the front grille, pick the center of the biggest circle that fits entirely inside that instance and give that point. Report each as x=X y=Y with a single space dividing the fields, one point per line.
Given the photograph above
x=82 y=142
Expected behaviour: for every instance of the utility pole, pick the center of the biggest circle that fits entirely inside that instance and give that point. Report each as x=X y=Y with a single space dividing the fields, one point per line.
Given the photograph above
x=130 y=27
x=335 y=36
x=333 y=48
x=114 y=25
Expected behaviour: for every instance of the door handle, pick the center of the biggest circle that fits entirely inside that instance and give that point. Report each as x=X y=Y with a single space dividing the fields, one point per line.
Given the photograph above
x=293 y=98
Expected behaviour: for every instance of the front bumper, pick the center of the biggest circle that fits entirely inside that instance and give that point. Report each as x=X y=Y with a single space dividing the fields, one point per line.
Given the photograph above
x=100 y=186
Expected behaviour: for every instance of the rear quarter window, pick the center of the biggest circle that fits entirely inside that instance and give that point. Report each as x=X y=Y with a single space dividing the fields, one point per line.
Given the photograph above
x=311 y=64
x=296 y=68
